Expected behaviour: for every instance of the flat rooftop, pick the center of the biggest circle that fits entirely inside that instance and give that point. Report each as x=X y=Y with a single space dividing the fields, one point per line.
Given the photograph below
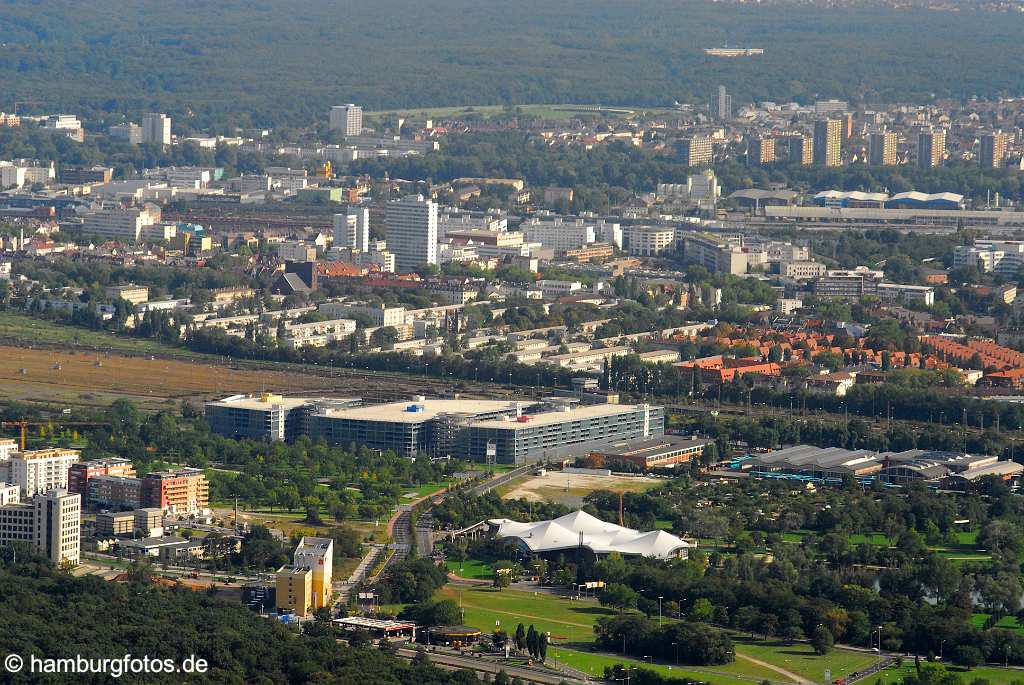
x=653 y=446
x=553 y=417
x=419 y=411
x=261 y=402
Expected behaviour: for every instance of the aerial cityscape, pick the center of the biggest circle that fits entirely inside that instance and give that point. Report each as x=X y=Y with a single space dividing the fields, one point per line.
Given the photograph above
x=654 y=344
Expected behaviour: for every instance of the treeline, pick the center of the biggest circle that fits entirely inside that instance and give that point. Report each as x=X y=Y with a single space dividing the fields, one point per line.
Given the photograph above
x=687 y=643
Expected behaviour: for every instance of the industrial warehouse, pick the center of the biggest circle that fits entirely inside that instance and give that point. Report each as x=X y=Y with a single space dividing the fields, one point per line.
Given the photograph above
x=954 y=470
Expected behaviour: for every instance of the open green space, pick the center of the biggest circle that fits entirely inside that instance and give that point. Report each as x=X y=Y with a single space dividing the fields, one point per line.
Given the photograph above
x=571 y=622
x=594 y=664
x=471 y=568
x=800 y=658
x=992 y=674
x=1006 y=622
x=422 y=490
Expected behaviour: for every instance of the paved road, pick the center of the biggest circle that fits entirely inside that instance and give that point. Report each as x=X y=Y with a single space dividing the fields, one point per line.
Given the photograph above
x=526 y=673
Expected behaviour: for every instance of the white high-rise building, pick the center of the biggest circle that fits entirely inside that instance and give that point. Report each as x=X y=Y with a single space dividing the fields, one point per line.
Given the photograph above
x=412 y=232
x=352 y=229
x=347 y=118
x=156 y=128
x=50 y=522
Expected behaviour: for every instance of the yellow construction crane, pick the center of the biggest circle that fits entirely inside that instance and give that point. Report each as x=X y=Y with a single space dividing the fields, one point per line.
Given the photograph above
x=23 y=425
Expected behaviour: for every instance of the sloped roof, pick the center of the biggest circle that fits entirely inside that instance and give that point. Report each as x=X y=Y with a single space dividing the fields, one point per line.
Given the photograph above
x=600 y=537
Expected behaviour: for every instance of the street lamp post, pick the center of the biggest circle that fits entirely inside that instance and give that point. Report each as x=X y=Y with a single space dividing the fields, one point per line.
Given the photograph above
x=659 y=610
x=676 y=645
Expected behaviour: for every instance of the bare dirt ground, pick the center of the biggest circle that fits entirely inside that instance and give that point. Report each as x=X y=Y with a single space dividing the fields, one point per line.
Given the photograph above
x=571 y=488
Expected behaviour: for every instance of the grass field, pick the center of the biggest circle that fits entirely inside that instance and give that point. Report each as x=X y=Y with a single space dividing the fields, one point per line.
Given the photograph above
x=1006 y=622
x=801 y=659
x=571 y=626
x=993 y=675
x=471 y=568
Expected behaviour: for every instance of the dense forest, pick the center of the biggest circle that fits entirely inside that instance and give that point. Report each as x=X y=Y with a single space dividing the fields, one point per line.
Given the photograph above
x=263 y=63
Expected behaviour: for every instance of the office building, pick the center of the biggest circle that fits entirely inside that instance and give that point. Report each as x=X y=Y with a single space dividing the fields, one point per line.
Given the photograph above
x=800 y=149
x=1004 y=257
x=716 y=254
x=183 y=491
x=347 y=118
x=317 y=555
x=848 y=283
x=830 y=106
x=40 y=471
x=294 y=590
x=557 y=234
x=828 y=142
x=882 y=148
x=931 y=148
x=721 y=105
x=423 y=426
x=50 y=523
x=82 y=175
x=651 y=241
x=135 y=294
x=696 y=151
x=112 y=524
x=267 y=417
x=992 y=154
x=9 y=494
x=412 y=232
x=120 y=224
x=113 y=492
x=760 y=151
x=563 y=432
x=126 y=133
x=7 y=448
x=352 y=229
x=156 y=129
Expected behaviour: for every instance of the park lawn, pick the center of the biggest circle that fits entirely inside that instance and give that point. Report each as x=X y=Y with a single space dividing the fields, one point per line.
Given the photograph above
x=1007 y=622
x=879 y=539
x=736 y=673
x=471 y=568
x=992 y=674
x=801 y=659
x=967 y=538
x=410 y=492
x=571 y=622
x=565 y=619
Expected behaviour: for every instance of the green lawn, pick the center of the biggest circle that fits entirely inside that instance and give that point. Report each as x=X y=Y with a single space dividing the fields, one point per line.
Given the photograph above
x=422 y=490
x=471 y=568
x=879 y=539
x=730 y=674
x=1007 y=622
x=801 y=659
x=571 y=625
x=994 y=675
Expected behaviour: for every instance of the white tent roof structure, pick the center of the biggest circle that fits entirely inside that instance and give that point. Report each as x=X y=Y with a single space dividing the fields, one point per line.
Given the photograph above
x=581 y=529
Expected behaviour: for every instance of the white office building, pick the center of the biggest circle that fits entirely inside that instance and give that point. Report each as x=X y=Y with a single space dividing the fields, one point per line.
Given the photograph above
x=412 y=232
x=347 y=118
x=121 y=224
x=352 y=229
x=50 y=522
x=156 y=128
